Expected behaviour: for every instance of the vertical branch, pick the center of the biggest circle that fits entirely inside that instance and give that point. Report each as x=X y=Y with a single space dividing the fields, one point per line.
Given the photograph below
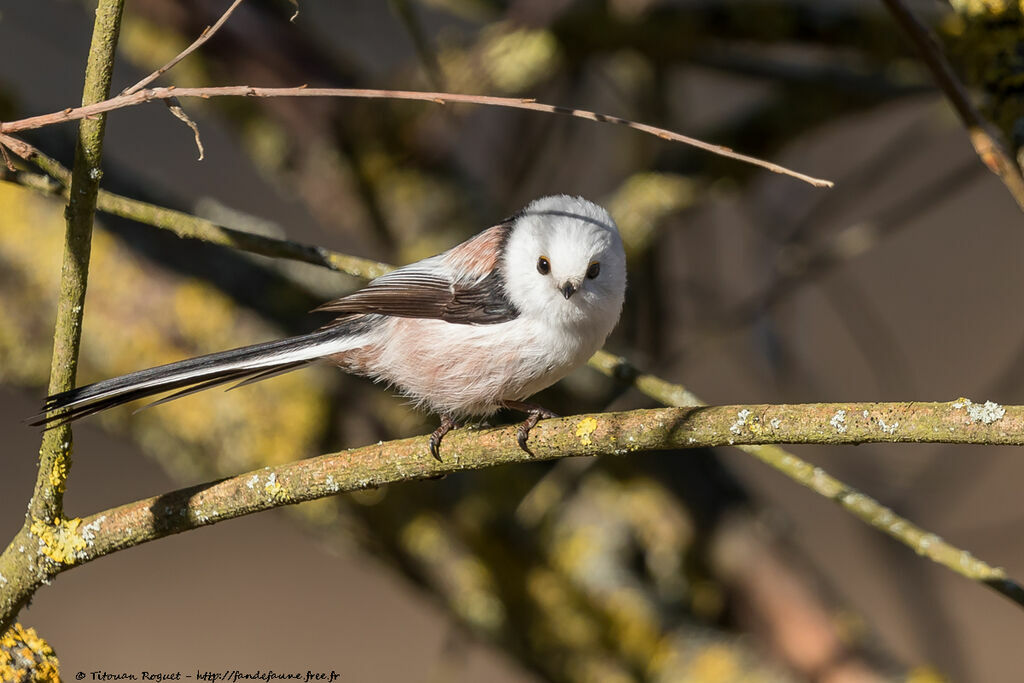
x=55 y=453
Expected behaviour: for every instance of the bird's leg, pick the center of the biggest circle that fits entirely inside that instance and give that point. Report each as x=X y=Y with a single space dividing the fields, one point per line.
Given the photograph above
x=534 y=412
x=447 y=424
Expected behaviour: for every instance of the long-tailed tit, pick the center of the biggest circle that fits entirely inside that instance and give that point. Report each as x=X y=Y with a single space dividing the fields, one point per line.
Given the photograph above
x=480 y=327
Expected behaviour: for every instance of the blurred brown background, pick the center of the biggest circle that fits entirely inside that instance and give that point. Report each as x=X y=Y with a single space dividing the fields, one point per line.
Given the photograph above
x=900 y=283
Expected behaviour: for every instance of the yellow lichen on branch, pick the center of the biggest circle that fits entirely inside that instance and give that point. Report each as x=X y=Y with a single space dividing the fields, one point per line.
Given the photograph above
x=583 y=435
x=27 y=658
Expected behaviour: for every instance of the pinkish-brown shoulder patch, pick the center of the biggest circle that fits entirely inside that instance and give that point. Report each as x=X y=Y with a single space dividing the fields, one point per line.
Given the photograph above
x=478 y=256
x=359 y=361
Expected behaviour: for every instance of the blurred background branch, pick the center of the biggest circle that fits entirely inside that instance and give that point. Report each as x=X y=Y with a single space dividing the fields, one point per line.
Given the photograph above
x=988 y=146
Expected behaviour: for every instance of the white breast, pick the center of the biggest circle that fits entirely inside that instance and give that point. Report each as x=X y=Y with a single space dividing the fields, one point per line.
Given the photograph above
x=467 y=370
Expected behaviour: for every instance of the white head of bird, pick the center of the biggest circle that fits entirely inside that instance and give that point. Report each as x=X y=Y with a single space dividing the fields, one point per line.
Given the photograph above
x=564 y=263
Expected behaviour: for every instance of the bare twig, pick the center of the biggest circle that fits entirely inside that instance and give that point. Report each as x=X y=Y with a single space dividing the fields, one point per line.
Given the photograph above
x=8 y=162
x=148 y=95
x=203 y=37
x=179 y=113
x=986 y=143
x=30 y=153
x=172 y=104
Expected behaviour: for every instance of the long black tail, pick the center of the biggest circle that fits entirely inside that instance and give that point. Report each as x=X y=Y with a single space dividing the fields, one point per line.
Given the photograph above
x=244 y=365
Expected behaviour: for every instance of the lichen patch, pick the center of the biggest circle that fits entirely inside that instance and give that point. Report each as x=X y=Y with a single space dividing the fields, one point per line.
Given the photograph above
x=60 y=541
x=986 y=413
x=741 y=420
x=584 y=429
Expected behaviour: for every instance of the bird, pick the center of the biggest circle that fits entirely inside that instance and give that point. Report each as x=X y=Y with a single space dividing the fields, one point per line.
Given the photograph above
x=480 y=327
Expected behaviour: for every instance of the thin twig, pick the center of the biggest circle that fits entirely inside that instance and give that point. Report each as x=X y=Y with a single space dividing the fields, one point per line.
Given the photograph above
x=8 y=162
x=172 y=104
x=203 y=37
x=986 y=143
x=142 y=96
x=179 y=113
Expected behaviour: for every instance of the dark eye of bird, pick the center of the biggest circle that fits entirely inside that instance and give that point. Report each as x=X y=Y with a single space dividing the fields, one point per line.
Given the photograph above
x=543 y=266
x=593 y=270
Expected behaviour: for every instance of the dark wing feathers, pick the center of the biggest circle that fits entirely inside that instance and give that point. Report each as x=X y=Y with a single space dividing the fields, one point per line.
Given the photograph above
x=421 y=295
x=462 y=285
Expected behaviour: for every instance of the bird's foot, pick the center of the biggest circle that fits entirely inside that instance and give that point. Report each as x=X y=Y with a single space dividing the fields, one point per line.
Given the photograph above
x=447 y=424
x=535 y=413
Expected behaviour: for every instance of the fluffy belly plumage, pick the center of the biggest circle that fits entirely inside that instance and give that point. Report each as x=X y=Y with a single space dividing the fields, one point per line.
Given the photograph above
x=465 y=370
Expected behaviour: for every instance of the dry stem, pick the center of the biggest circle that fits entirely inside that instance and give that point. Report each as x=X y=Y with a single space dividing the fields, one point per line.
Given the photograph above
x=142 y=96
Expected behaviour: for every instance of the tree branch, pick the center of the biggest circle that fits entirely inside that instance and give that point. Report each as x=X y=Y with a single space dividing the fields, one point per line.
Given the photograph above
x=986 y=143
x=55 y=453
x=148 y=95
x=56 y=548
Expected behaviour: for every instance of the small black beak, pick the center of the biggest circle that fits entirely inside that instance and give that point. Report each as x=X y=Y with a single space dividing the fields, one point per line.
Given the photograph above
x=568 y=289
